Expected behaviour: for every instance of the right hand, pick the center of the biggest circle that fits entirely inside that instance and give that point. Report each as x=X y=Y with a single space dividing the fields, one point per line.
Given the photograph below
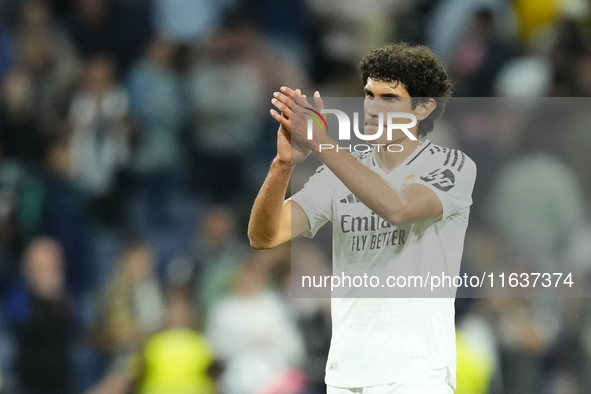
x=289 y=150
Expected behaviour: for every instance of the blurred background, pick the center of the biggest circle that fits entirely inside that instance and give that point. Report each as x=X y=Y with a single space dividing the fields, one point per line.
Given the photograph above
x=134 y=135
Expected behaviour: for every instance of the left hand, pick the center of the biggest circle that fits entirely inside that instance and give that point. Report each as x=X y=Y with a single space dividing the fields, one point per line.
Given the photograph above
x=296 y=111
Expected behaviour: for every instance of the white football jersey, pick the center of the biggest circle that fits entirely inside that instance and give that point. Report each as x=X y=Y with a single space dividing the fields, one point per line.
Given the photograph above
x=383 y=340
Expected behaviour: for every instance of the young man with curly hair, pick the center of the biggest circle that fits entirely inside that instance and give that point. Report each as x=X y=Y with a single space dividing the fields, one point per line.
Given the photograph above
x=422 y=195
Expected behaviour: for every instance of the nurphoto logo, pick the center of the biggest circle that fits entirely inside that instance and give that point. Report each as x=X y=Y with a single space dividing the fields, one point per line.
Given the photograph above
x=345 y=129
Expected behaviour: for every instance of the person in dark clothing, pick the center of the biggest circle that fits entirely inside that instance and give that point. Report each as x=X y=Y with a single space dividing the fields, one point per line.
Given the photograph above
x=41 y=315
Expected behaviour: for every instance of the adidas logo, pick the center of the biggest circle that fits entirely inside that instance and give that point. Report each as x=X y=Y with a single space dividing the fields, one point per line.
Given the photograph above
x=350 y=199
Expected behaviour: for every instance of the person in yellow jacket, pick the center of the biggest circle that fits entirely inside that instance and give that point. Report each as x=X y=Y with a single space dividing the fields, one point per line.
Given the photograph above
x=535 y=18
x=177 y=360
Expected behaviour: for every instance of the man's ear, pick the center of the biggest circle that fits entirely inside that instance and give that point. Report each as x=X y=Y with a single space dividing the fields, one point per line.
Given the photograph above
x=424 y=109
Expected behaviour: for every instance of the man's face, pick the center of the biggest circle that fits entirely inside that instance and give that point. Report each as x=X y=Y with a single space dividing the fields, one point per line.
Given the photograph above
x=384 y=97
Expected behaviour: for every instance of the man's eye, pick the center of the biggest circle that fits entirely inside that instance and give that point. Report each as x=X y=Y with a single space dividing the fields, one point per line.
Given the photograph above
x=389 y=98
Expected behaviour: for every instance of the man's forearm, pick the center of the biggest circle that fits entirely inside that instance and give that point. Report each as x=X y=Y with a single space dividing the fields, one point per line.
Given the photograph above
x=265 y=219
x=364 y=183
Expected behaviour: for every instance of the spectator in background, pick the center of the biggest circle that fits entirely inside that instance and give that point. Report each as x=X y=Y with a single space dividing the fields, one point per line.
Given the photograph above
x=226 y=88
x=550 y=66
x=156 y=99
x=479 y=56
x=312 y=313
x=526 y=76
x=46 y=55
x=60 y=209
x=133 y=309
x=42 y=317
x=216 y=255
x=537 y=200
x=583 y=72
x=488 y=129
x=253 y=335
x=135 y=27
x=101 y=133
x=572 y=57
x=134 y=306
x=119 y=27
x=568 y=47
x=20 y=205
x=573 y=353
x=476 y=349
x=241 y=47
x=575 y=142
x=285 y=23
x=177 y=359
x=188 y=21
x=536 y=20
x=535 y=206
x=450 y=18
x=19 y=127
x=93 y=28
x=344 y=30
x=525 y=330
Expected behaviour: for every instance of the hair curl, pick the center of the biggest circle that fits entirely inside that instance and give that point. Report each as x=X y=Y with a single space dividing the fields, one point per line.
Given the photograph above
x=418 y=69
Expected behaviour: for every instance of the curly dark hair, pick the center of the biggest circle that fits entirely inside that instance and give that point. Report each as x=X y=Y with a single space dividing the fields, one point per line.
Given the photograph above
x=418 y=69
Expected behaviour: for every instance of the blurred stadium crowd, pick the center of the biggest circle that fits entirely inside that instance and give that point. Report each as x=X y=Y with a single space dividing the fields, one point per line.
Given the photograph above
x=134 y=135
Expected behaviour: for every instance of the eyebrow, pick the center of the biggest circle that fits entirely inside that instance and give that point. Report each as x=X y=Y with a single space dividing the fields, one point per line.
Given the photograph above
x=368 y=91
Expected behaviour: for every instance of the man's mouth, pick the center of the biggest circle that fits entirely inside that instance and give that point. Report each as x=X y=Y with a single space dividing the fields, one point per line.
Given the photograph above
x=371 y=122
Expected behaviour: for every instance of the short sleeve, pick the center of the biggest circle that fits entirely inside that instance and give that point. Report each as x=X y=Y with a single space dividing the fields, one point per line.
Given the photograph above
x=316 y=199
x=451 y=176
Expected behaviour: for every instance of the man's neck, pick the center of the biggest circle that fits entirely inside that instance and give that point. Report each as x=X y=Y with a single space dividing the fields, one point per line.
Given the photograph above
x=388 y=161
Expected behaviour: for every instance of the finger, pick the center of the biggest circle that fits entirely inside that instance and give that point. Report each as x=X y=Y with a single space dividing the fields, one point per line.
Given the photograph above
x=290 y=92
x=282 y=107
x=295 y=104
x=284 y=121
x=303 y=98
x=298 y=98
x=318 y=101
x=283 y=98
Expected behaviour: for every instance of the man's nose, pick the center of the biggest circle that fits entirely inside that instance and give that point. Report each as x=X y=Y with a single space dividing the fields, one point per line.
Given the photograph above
x=374 y=108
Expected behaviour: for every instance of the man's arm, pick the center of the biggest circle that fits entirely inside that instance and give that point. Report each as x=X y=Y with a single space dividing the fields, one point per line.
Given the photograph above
x=274 y=221
x=415 y=203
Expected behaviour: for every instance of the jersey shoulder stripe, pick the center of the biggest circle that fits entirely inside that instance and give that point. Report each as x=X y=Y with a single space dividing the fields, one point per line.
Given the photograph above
x=450 y=158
